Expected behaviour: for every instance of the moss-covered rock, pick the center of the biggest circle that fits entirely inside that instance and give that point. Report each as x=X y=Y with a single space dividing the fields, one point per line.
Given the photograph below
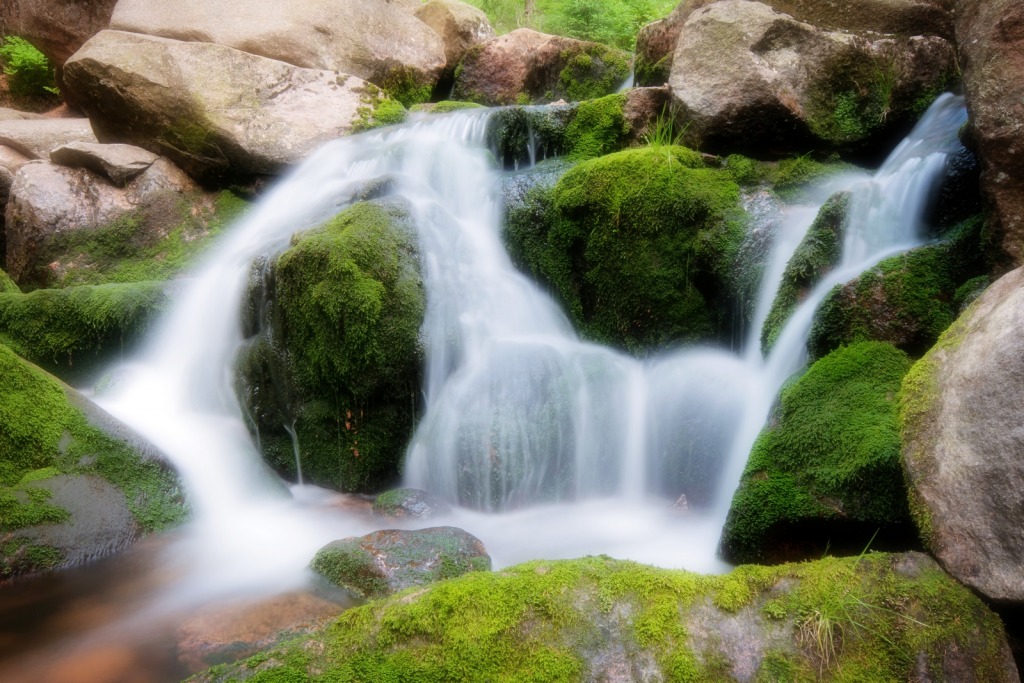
x=406 y=503
x=520 y=135
x=444 y=106
x=638 y=245
x=906 y=300
x=392 y=560
x=7 y=285
x=65 y=473
x=818 y=252
x=73 y=331
x=334 y=356
x=826 y=470
x=875 y=618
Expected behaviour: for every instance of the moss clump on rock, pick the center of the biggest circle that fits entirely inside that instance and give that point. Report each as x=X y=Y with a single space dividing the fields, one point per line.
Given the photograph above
x=338 y=359
x=879 y=617
x=827 y=466
x=638 y=245
x=377 y=109
x=591 y=70
x=907 y=300
x=512 y=131
x=44 y=435
x=598 y=127
x=7 y=285
x=818 y=252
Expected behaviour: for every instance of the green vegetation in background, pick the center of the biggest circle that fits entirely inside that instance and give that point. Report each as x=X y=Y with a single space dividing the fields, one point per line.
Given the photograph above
x=41 y=436
x=28 y=71
x=612 y=22
x=831 y=452
x=874 y=618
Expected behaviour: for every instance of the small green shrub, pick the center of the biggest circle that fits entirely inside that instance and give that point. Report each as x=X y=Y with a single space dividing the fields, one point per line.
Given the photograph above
x=28 y=71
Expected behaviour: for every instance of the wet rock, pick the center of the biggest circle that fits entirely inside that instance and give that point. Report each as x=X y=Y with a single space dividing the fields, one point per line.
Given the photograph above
x=36 y=138
x=961 y=411
x=409 y=504
x=990 y=36
x=229 y=115
x=592 y=620
x=644 y=107
x=525 y=66
x=392 y=560
x=746 y=77
x=379 y=42
x=118 y=163
x=49 y=203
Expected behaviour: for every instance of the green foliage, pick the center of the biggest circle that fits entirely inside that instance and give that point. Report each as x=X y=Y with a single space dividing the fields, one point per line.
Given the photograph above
x=831 y=452
x=818 y=252
x=545 y=620
x=592 y=71
x=638 y=245
x=42 y=435
x=7 y=285
x=28 y=71
x=597 y=128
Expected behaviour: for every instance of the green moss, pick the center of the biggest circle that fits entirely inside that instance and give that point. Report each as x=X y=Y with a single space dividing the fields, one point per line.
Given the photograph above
x=831 y=453
x=592 y=71
x=7 y=285
x=348 y=304
x=406 y=86
x=553 y=621
x=906 y=300
x=159 y=242
x=518 y=135
x=638 y=245
x=42 y=434
x=377 y=109
x=79 y=326
x=648 y=73
x=445 y=107
x=818 y=252
x=598 y=128
x=744 y=170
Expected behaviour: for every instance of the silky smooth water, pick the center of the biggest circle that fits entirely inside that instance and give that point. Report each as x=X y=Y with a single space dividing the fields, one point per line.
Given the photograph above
x=550 y=446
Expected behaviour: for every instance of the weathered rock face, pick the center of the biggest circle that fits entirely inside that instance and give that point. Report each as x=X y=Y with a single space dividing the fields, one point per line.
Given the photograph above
x=74 y=484
x=961 y=414
x=333 y=349
x=388 y=561
x=746 y=77
x=990 y=35
x=15 y=115
x=215 y=111
x=460 y=26
x=599 y=619
x=656 y=42
x=48 y=202
x=525 y=66
x=35 y=138
x=376 y=41
x=57 y=28
x=117 y=163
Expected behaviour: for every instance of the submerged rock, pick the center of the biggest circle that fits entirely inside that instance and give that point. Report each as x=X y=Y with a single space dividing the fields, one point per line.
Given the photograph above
x=990 y=36
x=961 y=413
x=74 y=484
x=229 y=114
x=527 y=67
x=392 y=560
x=409 y=503
x=746 y=77
x=826 y=469
x=377 y=41
x=599 y=619
x=332 y=363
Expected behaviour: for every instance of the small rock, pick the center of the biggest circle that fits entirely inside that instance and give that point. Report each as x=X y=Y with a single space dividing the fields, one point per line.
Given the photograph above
x=119 y=163
x=409 y=503
x=35 y=138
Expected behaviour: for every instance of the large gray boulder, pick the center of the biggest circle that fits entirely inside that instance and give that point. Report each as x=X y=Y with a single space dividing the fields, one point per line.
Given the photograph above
x=378 y=41
x=526 y=66
x=48 y=201
x=746 y=77
x=990 y=36
x=215 y=111
x=56 y=27
x=962 y=409
x=35 y=138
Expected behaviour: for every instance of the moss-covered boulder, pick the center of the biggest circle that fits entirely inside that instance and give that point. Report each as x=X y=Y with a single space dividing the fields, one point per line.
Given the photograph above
x=74 y=484
x=638 y=245
x=826 y=470
x=73 y=332
x=876 y=618
x=332 y=365
x=392 y=560
x=527 y=67
x=818 y=252
x=7 y=285
x=906 y=300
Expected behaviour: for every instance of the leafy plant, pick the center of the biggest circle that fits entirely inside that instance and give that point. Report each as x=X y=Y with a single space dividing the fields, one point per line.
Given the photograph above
x=28 y=71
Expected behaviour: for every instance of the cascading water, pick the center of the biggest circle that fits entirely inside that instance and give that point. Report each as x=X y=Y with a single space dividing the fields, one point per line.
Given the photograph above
x=581 y=446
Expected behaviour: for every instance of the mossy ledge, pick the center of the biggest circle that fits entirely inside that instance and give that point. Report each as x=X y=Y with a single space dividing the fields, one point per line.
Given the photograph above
x=874 y=618
x=826 y=471
x=43 y=434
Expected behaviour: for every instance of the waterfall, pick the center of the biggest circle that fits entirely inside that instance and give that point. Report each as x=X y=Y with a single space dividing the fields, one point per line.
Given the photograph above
x=553 y=446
